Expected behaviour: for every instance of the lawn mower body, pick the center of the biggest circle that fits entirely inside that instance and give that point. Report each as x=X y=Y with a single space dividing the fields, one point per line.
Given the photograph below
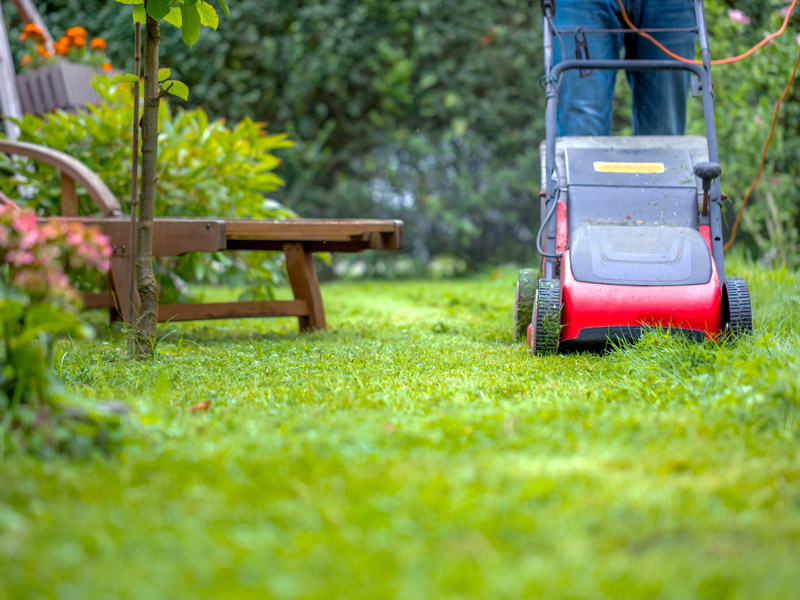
x=632 y=232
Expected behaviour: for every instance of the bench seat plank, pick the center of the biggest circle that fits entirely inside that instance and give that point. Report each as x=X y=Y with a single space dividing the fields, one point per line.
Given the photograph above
x=232 y=310
x=327 y=235
x=171 y=237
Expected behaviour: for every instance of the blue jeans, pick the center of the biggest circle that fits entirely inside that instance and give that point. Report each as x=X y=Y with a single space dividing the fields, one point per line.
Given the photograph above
x=658 y=97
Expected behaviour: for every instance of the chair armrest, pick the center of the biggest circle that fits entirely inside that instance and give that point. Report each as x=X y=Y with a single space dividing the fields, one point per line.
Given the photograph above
x=72 y=171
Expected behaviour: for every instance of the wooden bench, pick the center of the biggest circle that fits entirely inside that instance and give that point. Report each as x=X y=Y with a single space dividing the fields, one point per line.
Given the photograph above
x=298 y=239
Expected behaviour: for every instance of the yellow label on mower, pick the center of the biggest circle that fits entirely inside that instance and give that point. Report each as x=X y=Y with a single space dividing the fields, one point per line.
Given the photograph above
x=628 y=167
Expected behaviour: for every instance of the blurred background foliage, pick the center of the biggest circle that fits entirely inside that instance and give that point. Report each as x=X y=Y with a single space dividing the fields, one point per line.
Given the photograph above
x=431 y=111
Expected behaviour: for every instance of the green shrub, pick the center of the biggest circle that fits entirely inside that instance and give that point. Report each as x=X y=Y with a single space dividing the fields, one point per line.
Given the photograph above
x=747 y=93
x=205 y=169
x=38 y=304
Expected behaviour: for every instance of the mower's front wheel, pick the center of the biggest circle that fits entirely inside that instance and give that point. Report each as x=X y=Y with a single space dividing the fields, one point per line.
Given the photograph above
x=546 y=329
x=523 y=303
x=737 y=314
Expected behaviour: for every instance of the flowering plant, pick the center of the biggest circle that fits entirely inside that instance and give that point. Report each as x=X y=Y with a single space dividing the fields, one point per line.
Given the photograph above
x=32 y=255
x=37 y=301
x=72 y=46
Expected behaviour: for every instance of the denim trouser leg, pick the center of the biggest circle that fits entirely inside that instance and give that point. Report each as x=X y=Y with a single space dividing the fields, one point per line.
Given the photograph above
x=584 y=103
x=658 y=97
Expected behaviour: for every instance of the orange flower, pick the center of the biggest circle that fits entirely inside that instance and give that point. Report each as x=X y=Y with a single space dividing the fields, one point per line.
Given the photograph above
x=62 y=46
x=107 y=67
x=98 y=44
x=32 y=32
x=25 y=60
x=78 y=42
x=76 y=32
x=42 y=51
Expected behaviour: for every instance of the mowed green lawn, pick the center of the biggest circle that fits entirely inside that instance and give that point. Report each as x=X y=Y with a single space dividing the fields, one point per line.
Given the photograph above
x=412 y=451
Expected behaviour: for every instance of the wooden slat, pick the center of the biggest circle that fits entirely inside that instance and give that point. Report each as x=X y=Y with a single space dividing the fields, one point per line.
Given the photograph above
x=290 y=235
x=308 y=229
x=232 y=310
x=171 y=237
x=73 y=168
x=119 y=278
x=317 y=235
x=98 y=300
x=374 y=243
x=69 y=197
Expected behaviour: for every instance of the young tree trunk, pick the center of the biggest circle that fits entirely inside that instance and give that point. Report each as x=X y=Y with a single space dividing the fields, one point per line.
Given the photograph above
x=145 y=337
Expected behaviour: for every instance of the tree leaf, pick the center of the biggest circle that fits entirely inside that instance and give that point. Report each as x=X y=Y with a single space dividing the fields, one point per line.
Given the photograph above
x=164 y=74
x=139 y=14
x=125 y=78
x=190 y=31
x=130 y=1
x=176 y=88
x=174 y=17
x=208 y=16
x=158 y=9
x=223 y=4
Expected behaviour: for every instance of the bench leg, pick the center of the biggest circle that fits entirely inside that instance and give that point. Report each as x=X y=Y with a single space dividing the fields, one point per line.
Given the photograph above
x=120 y=289
x=305 y=285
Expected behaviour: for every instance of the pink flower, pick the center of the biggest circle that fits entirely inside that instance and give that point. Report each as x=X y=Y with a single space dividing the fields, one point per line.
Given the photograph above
x=35 y=254
x=58 y=280
x=785 y=9
x=19 y=258
x=757 y=119
x=25 y=221
x=738 y=16
x=797 y=39
x=74 y=238
x=83 y=250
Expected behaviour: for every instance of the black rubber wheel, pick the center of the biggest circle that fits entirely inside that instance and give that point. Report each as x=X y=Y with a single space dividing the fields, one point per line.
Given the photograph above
x=546 y=317
x=737 y=314
x=523 y=302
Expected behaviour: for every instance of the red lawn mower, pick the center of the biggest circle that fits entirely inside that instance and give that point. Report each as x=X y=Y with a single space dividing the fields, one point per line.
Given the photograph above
x=632 y=229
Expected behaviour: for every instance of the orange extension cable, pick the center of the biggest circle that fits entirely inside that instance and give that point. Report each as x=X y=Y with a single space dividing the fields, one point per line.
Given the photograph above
x=722 y=61
x=726 y=61
x=763 y=156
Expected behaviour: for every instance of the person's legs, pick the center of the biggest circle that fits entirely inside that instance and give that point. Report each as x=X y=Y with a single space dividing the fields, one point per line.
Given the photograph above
x=659 y=97
x=584 y=103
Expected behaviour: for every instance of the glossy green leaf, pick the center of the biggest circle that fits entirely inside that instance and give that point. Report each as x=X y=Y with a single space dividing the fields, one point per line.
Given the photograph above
x=176 y=88
x=158 y=9
x=190 y=30
x=139 y=14
x=174 y=17
x=164 y=74
x=223 y=4
x=208 y=16
x=125 y=78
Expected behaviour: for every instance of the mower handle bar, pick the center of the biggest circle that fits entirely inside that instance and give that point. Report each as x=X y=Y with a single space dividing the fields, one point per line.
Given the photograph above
x=629 y=65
